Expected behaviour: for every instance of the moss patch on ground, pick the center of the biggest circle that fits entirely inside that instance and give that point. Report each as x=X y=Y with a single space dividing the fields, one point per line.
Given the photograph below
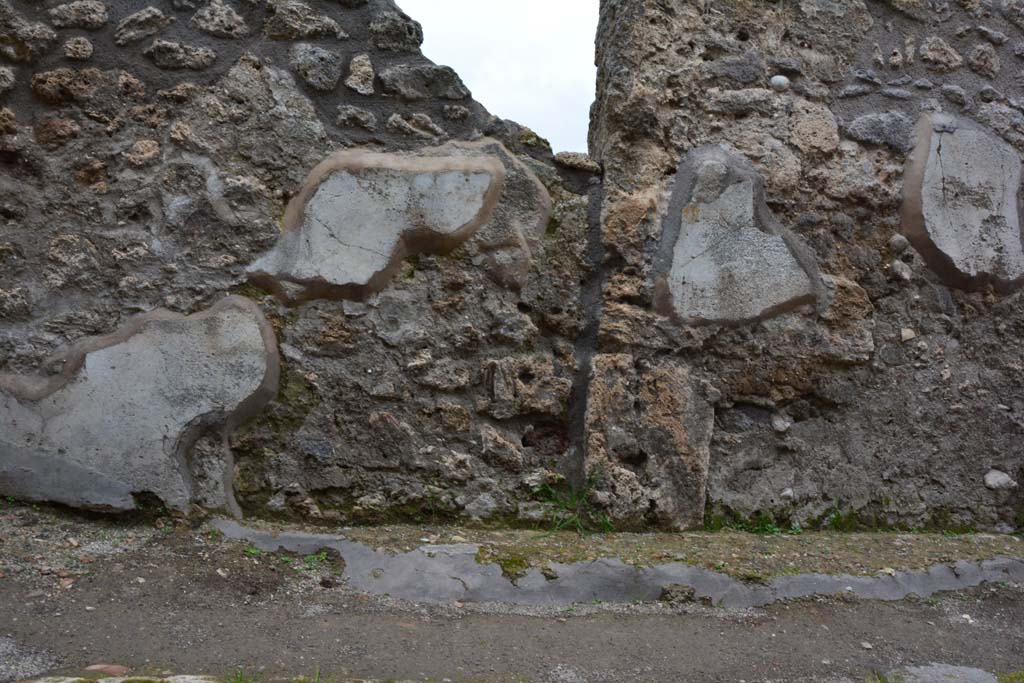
x=514 y=564
x=742 y=555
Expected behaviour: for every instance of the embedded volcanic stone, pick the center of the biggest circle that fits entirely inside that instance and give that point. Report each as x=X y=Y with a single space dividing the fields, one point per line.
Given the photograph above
x=354 y=117
x=396 y=31
x=961 y=206
x=940 y=56
x=170 y=55
x=8 y=122
x=985 y=60
x=417 y=125
x=423 y=81
x=360 y=214
x=78 y=48
x=892 y=129
x=578 y=162
x=140 y=25
x=361 y=75
x=122 y=416
x=292 y=19
x=319 y=68
x=87 y=14
x=14 y=305
x=723 y=256
x=20 y=39
x=7 y=79
x=221 y=20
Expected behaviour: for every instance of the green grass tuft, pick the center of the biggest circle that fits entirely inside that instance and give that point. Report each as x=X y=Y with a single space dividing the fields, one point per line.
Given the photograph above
x=571 y=509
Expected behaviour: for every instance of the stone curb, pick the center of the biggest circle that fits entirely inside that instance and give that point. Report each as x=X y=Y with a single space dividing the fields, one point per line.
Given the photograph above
x=444 y=574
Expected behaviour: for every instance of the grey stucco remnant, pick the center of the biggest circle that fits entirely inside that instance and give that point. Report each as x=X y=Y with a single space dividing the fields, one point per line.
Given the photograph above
x=961 y=204
x=724 y=258
x=360 y=214
x=446 y=573
x=35 y=473
x=122 y=415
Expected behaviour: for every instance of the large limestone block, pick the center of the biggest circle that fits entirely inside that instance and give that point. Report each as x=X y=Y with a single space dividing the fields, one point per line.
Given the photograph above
x=961 y=206
x=360 y=214
x=648 y=441
x=724 y=258
x=121 y=417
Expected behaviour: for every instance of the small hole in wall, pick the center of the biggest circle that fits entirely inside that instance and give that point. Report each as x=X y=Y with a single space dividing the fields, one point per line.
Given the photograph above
x=742 y=35
x=548 y=439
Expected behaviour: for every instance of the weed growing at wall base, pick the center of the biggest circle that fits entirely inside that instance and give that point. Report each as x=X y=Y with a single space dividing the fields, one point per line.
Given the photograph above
x=571 y=508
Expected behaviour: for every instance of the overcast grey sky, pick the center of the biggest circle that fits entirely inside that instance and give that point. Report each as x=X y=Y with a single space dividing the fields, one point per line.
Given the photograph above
x=531 y=61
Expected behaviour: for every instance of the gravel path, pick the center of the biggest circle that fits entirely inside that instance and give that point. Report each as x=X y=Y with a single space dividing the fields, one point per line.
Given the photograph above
x=164 y=599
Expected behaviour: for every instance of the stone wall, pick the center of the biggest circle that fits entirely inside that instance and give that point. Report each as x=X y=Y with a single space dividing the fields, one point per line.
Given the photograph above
x=423 y=303
x=262 y=256
x=812 y=208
